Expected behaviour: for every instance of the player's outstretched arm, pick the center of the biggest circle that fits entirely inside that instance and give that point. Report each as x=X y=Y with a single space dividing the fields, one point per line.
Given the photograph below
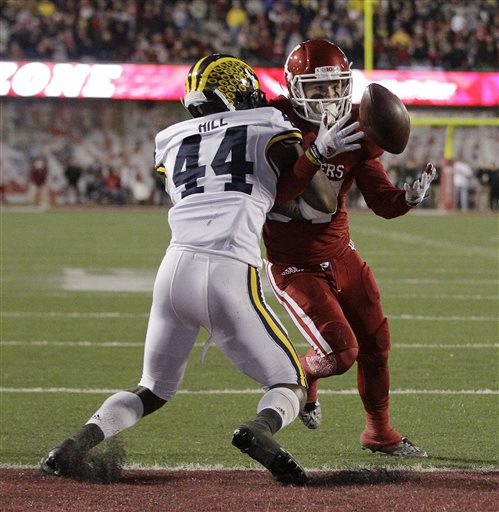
x=415 y=193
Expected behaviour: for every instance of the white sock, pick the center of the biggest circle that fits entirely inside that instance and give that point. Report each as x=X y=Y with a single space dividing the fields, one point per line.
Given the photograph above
x=119 y=412
x=282 y=400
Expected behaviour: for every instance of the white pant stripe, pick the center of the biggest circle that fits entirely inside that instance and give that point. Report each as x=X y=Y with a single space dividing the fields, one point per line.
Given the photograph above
x=299 y=317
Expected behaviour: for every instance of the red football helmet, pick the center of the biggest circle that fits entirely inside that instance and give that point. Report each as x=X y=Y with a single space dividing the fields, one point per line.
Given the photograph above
x=323 y=65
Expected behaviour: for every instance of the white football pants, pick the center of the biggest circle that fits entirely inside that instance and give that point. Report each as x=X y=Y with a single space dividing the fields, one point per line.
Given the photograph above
x=223 y=295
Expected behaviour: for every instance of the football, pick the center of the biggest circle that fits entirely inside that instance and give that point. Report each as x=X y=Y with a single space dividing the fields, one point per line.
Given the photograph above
x=384 y=118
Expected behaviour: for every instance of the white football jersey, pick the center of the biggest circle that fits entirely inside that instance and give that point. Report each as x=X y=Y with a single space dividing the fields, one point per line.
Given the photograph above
x=220 y=180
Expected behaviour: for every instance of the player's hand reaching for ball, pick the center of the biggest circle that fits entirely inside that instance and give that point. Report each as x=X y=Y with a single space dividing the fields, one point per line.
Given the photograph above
x=416 y=192
x=333 y=140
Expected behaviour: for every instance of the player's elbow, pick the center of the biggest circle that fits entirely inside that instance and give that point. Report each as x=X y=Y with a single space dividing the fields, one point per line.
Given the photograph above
x=389 y=214
x=322 y=202
x=330 y=204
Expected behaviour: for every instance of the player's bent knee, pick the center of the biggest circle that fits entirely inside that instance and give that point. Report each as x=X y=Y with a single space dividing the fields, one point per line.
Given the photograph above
x=375 y=359
x=150 y=401
x=345 y=359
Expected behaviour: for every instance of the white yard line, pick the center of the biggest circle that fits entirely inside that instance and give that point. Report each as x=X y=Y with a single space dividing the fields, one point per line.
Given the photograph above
x=431 y=280
x=471 y=318
x=132 y=344
x=248 y=391
x=446 y=297
x=117 y=314
x=412 y=239
x=416 y=468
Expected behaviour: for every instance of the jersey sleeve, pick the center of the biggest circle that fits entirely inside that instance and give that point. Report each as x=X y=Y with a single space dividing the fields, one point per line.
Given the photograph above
x=381 y=196
x=159 y=149
x=284 y=130
x=294 y=179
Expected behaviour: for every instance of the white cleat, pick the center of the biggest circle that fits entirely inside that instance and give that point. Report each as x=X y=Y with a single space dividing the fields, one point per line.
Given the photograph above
x=311 y=415
x=405 y=448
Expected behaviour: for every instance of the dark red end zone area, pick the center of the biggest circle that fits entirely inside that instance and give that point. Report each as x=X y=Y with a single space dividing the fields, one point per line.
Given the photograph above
x=245 y=491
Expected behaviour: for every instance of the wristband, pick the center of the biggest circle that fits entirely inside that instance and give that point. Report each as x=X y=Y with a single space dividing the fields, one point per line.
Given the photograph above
x=310 y=155
x=307 y=165
x=315 y=153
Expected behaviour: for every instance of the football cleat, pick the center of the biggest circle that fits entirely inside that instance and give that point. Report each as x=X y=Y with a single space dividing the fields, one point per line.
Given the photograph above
x=311 y=415
x=404 y=448
x=257 y=442
x=67 y=461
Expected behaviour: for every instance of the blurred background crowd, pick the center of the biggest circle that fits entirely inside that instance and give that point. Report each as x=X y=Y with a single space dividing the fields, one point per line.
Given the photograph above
x=455 y=34
x=100 y=151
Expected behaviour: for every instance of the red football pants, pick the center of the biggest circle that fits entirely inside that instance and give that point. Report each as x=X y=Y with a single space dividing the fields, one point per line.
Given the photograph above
x=336 y=307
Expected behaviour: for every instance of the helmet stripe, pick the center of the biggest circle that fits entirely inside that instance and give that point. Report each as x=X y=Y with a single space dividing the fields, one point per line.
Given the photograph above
x=193 y=75
x=223 y=80
x=209 y=66
x=204 y=66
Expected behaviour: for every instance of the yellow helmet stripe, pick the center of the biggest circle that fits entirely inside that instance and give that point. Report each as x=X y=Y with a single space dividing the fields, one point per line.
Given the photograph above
x=271 y=324
x=206 y=72
x=193 y=75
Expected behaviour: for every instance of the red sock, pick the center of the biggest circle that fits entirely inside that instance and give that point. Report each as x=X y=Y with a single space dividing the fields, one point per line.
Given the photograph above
x=373 y=381
x=313 y=385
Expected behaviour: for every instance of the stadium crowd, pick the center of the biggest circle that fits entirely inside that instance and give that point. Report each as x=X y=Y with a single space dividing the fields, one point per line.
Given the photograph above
x=456 y=34
x=100 y=152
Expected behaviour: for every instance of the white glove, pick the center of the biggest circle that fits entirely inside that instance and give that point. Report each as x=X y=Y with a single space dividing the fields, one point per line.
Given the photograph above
x=416 y=193
x=332 y=141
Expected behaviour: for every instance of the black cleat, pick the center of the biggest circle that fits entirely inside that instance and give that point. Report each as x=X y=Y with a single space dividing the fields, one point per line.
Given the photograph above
x=254 y=440
x=67 y=461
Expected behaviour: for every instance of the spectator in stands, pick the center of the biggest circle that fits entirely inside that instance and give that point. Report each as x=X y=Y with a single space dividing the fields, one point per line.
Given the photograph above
x=38 y=176
x=236 y=18
x=73 y=174
x=141 y=192
x=458 y=34
x=94 y=184
x=483 y=192
x=494 y=190
x=463 y=176
x=113 y=191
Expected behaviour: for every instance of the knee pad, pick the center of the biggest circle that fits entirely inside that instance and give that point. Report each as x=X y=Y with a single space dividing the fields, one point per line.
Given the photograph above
x=332 y=364
x=377 y=342
x=345 y=360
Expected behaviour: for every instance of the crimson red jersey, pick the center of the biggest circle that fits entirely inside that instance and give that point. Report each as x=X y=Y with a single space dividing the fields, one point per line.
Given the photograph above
x=296 y=242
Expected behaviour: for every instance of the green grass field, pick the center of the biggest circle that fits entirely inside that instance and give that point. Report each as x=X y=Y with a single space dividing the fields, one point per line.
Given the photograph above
x=76 y=291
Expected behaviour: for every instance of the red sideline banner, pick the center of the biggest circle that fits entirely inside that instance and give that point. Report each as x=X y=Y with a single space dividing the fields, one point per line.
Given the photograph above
x=153 y=82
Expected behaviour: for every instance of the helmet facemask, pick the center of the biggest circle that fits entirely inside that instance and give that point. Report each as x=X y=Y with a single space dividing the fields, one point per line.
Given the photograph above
x=337 y=102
